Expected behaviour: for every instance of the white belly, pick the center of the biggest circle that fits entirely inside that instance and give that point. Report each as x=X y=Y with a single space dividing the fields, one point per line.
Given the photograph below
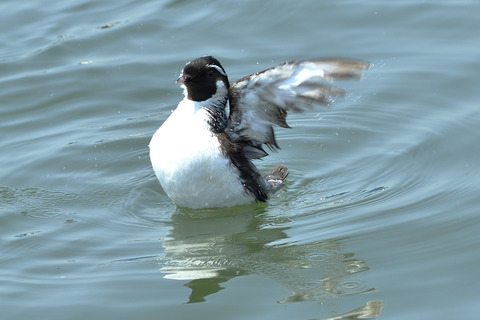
x=190 y=166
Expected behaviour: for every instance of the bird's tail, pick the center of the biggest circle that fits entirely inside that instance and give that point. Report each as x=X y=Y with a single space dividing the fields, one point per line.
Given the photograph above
x=274 y=178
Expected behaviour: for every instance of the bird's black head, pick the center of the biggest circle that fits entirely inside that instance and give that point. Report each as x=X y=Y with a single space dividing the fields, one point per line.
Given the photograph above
x=200 y=77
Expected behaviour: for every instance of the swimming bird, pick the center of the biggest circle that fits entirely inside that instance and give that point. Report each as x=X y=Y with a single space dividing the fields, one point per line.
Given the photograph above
x=202 y=154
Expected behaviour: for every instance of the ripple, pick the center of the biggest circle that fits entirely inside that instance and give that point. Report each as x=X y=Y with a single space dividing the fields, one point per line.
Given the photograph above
x=38 y=202
x=26 y=234
x=320 y=257
x=349 y=286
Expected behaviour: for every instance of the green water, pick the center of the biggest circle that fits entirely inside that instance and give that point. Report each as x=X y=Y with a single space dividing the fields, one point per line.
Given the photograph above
x=380 y=213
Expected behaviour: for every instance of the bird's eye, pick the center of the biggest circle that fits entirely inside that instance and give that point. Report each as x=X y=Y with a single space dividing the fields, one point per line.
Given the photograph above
x=210 y=74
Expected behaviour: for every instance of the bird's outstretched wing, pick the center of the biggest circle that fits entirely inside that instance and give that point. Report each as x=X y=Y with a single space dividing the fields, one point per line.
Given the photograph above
x=261 y=100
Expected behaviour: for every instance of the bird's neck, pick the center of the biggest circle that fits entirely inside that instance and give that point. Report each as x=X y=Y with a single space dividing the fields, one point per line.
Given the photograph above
x=215 y=107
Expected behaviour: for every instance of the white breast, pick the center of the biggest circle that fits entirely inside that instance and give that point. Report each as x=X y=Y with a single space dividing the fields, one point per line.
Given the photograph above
x=188 y=161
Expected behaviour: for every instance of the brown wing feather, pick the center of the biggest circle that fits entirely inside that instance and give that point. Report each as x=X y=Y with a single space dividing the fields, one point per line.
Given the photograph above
x=263 y=99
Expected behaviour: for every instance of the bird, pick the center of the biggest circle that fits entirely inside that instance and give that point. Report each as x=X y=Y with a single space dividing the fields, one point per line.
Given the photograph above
x=202 y=154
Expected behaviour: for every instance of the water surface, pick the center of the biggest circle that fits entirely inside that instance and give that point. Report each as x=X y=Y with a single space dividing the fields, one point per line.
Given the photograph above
x=380 y=213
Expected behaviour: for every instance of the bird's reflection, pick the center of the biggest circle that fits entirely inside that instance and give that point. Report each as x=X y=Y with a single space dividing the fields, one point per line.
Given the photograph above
x=208 y=248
